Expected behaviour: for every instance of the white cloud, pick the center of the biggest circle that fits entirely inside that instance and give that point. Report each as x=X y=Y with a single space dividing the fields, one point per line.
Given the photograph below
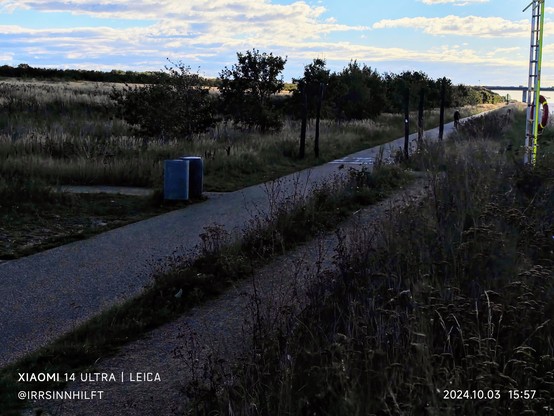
x=6 y=57
x=475 y=26
x=198 y=31
x=219 y=25
x=194 y=31
x=295 y=19
x=345 y=51
x=143 y=44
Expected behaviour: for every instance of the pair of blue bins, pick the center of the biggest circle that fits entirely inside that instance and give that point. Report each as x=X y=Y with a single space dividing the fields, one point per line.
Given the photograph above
x=183 y=178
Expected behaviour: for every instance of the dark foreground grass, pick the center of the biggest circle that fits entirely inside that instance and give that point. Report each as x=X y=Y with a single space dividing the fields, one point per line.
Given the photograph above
x=445 y=310
x=220 y=263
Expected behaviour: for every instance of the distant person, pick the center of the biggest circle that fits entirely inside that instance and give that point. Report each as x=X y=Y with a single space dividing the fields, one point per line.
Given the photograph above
x=456 y=119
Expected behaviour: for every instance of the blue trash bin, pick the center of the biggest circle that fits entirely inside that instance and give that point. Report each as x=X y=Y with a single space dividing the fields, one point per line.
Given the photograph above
x=196 y=175
x=176 y=179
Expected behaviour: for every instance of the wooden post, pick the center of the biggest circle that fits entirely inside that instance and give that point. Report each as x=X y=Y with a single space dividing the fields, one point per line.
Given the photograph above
x=406 y=123
x=441 y=115
x=302 y=151
x=317 y=118
x=420 y=127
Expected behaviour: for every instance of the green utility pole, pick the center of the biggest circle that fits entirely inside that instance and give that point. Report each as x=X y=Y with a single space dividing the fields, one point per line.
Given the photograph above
x=532 y=129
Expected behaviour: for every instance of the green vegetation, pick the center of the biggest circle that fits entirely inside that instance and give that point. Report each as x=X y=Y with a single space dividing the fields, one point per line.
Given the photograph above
x=68 y=134
x=175 y=106
x=452 y=295
x=35 y=217
x=247 y=88
x=457 y=293
x=433 y=304
x=36 y=145
x=96 y=133
x=515 y=139
x=221 y=263
x=52 y=74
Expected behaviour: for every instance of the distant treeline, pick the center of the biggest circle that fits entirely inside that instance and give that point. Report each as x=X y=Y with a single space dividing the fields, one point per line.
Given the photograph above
x=249 y=93
x=130 y=77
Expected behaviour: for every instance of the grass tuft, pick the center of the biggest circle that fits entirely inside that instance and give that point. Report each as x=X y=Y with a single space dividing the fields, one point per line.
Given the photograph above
x=450 y=295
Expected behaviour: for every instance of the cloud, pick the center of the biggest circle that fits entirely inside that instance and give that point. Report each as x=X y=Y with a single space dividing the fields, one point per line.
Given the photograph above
x=194 y=31
x=302 y=18
x=92 y=47
x=6 y=57
x=475 y=26
x=173 y=26
x=341 y=52
x=454 y=2
x=209 y=34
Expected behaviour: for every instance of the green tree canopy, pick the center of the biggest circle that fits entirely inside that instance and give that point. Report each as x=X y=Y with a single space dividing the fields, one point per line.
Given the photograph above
x=315 y=75
x=356 y=93
x=247 y=87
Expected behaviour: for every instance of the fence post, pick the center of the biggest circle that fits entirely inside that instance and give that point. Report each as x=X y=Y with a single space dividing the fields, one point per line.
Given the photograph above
x=406 y=123
x=302 y=151
x=441 y=116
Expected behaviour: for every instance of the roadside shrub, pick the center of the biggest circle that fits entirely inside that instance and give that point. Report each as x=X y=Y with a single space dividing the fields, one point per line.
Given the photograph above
x=247 y=89
x=174 y=106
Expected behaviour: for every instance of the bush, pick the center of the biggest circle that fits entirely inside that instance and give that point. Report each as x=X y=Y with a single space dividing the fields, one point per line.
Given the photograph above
x=175 y=106
x=248 y=87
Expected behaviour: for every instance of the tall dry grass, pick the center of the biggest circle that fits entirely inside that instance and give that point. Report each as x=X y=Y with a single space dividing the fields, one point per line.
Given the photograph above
x=445 y=309
x=67 y=133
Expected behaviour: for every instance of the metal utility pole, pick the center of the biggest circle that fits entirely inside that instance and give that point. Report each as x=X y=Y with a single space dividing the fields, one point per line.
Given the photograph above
x=534 y=86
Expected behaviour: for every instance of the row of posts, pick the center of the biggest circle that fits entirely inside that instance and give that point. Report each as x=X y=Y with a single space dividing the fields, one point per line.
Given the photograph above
x=183 y=177
x=302 y=151
x=420 y=126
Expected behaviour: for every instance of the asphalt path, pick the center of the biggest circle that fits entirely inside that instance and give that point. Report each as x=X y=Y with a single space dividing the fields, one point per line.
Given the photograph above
x=50 y=293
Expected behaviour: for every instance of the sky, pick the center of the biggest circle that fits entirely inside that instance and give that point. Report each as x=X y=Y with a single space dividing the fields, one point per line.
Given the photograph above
x=473 y=42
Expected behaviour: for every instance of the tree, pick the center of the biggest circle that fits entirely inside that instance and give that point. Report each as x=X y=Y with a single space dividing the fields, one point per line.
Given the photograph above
x=309 y=98
x=356 y=93
x=247 y=88
x=174 y=106
x=315 y=74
